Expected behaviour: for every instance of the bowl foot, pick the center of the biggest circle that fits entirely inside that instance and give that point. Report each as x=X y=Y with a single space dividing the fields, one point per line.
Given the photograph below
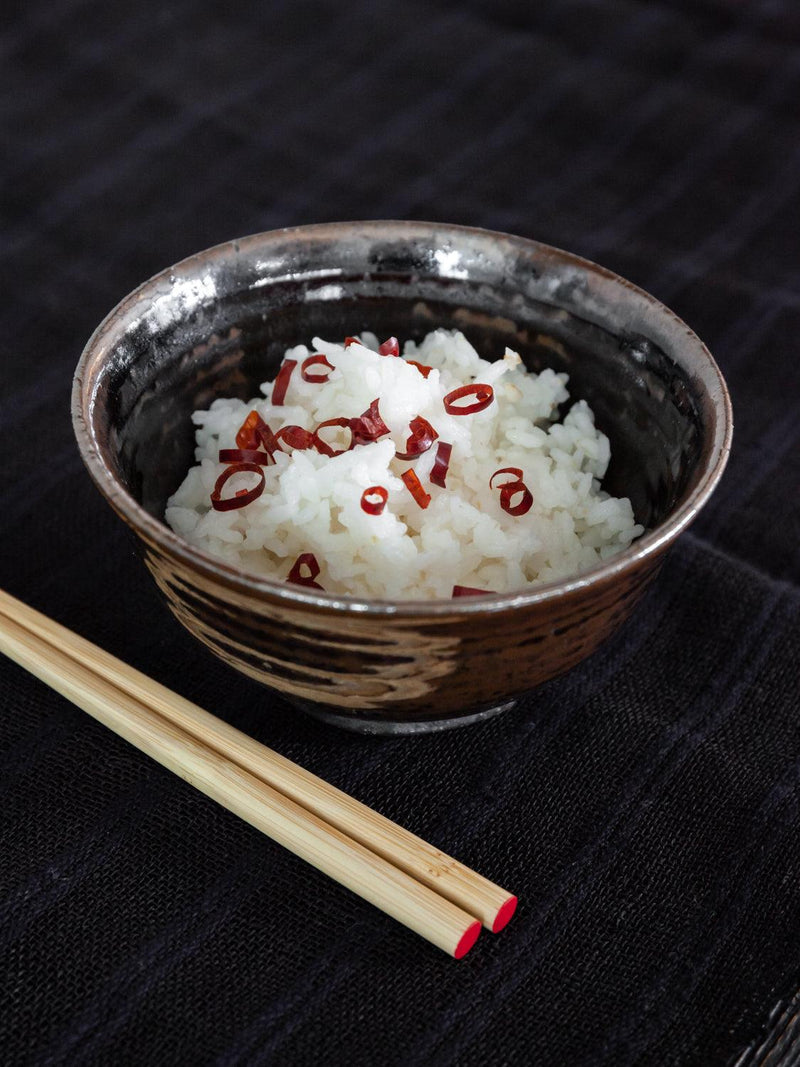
x=360 y=723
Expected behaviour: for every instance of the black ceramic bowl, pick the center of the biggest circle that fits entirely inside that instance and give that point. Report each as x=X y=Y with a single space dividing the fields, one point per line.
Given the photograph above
x=218 y=323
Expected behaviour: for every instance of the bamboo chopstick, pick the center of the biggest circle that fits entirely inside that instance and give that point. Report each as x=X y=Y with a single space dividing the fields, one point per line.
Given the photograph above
x=424 y=911
x=488 y=902
x=391 y=867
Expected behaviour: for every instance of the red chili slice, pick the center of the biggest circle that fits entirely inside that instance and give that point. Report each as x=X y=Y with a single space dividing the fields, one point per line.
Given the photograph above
x=247 y=435
x=441 y=464
x=245 y=455
x=484 y=394
x=267 y=438
x=282 y=381
x=370 y=504
x=323 y=446
x=295 y=437
x=317 y=360
x=390 y=347
x=509 y=491
x=414 y=487
x=242 y=497
x=369 y=426
x=423 y=368
x=254 y=432
x=351 y=341
x=295 y=575
x=466 y=590
x=422 y=437
x=514 y=471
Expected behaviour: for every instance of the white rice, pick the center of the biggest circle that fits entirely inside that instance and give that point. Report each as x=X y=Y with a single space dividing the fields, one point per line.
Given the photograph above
x=312 y=503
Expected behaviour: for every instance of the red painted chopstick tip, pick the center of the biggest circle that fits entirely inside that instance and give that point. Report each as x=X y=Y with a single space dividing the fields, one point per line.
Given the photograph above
x=503 y=917
x=468 y=939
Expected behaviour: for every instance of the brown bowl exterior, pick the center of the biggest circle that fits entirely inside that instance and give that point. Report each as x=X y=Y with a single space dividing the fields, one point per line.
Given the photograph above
x=391 y=667
x=402 y=671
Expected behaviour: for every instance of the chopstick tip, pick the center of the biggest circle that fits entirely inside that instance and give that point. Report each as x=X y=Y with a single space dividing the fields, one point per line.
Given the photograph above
x=468 y=939
x=504 y=914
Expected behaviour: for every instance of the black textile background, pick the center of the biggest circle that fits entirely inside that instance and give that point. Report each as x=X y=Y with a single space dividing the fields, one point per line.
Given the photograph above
x=646 y=806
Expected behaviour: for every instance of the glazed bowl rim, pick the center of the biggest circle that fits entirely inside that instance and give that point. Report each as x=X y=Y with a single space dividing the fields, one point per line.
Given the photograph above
x=649 y=545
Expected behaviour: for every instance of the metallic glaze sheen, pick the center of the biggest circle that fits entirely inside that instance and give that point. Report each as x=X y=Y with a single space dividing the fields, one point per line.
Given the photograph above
x=201 y=329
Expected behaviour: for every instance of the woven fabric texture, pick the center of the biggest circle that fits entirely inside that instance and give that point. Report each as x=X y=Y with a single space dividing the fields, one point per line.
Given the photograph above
x=645 y=807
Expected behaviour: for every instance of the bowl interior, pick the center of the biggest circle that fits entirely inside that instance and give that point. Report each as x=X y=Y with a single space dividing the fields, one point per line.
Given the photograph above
x=218 y=324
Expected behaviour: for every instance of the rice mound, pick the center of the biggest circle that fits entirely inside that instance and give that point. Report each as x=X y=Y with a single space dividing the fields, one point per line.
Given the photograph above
x=312 y=503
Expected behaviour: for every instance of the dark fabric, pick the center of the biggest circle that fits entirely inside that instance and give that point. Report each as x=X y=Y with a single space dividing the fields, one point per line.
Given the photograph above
x=646 y=806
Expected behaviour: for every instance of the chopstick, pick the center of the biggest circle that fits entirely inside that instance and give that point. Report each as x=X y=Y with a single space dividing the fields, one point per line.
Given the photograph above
x=411 y=880
x=349 y=863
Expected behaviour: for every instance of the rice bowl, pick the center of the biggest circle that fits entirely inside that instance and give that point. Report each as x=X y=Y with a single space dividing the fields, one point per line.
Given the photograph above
x=219 y=323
